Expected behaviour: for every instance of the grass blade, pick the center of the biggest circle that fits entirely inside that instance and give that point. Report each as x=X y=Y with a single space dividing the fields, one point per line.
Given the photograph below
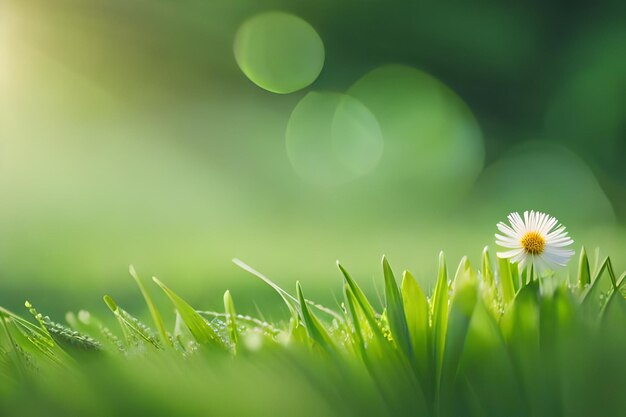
x=154 y=312
x=132 y=328
x=485 y=267
x=440 y=315
x=198 y=326
x=584 y=273
x=362 y=300
x=492 y=377
x=596 y=295
x=314 y=327
x=231 y=321
x=416 y=311
x=287 y=298
x=461 y=310
x=395 y=312
x=507 y=281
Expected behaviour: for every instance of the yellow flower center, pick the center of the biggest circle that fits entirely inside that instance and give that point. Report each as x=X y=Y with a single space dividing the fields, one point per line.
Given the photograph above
x=533 y=243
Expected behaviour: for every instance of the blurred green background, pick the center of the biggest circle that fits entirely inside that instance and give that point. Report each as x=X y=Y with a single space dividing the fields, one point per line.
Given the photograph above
x=134 y=132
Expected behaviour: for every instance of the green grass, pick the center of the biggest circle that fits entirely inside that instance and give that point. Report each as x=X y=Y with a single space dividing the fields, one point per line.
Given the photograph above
x=488 y=341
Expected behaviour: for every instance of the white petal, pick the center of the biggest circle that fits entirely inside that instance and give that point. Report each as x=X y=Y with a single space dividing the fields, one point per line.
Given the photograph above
x=550 y=223
x=508 y=245
x=553 y=235
x=559 y=244
x=559 y=251
x=544 y=264
x=541 y=225
x=522 y=262
x=534 y=219
x=517 y=223
x=507 y=230
x=560 y=258
x=554 y=259
x=510 y=253
x=538 y=266
x=558 y=239
x=508 y=241
x=556 y=232
x=522 y=255
x=507 y=238
x=526 y=221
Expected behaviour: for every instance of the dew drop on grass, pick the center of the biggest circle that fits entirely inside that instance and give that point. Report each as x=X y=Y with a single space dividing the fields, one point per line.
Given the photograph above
x=84 y=316
x=279 y=52
x=253 y=341
x=283 y=338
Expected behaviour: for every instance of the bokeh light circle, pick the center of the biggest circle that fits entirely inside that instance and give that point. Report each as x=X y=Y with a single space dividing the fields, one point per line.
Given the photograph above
x=279 y=52
x=432 y=140
x=332 y=138
x=542 y=176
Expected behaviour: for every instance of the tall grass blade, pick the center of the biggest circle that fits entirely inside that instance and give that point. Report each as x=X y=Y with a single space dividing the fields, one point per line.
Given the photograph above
x=440 y=306
x=198 y=326
x=287 y=298
x=154 y=311
x=461 y=310
x=314 y=327
x=584 y=274
x=507 y=281
x=395 y=312
x=595 y=297
x=417 y=317
x=491 y=377
x=362 y=300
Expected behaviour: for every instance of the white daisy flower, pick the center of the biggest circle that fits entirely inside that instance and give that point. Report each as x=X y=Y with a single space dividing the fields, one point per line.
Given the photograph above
x=537 y=240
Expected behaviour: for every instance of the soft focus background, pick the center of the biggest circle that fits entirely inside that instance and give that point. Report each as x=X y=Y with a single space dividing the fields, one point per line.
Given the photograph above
x=177 y=135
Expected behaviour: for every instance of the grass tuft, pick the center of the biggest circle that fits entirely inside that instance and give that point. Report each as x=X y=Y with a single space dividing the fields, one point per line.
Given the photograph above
x=489 y=342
